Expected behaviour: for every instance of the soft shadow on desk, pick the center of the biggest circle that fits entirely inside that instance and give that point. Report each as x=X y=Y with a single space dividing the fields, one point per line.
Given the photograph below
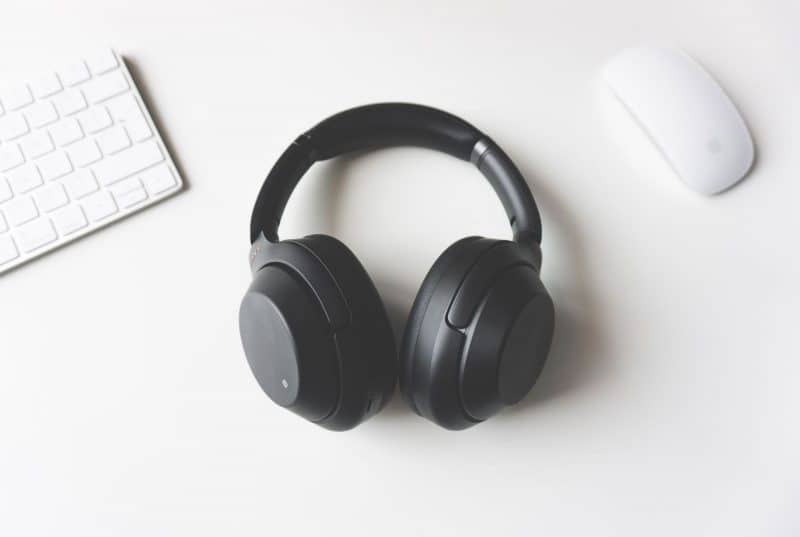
x=574 y=359
x=149 y=102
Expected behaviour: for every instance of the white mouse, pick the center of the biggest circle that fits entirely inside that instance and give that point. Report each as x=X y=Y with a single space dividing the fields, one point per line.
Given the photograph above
x=686 y=114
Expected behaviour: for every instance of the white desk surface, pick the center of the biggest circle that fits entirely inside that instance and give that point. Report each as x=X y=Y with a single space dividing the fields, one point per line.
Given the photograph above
x=670 y=404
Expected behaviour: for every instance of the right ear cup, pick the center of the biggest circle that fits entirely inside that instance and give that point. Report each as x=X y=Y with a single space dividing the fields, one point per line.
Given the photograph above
x=316 y=334
x=439 y=284
x=479 y=332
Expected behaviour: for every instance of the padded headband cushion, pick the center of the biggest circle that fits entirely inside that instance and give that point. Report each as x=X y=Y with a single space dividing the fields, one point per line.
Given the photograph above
x=394 y=124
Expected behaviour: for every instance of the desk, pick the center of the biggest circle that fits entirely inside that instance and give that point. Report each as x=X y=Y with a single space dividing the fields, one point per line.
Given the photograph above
x=670 y=403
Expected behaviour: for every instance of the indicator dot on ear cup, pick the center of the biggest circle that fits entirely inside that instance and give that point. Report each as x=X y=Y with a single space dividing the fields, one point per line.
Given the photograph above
x=267 y=343
x=287 y=342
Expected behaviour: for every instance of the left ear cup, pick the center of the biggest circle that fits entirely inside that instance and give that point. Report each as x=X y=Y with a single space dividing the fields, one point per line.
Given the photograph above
x=367 y=352
x=480 y=334
x=315 y=332
x=286 y=337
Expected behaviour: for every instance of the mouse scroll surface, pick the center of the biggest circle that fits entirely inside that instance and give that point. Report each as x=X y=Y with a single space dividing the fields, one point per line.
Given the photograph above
x=685 y=113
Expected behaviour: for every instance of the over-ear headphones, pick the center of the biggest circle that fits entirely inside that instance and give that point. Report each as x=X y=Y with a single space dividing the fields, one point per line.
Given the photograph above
x=315 y=331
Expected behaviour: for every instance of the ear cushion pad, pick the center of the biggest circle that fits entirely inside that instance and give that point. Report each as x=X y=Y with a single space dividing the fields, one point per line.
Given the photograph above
x=451 y=266
x=366 y=346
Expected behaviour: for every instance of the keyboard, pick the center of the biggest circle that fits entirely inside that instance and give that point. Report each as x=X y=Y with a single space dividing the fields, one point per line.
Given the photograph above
x=78 y=151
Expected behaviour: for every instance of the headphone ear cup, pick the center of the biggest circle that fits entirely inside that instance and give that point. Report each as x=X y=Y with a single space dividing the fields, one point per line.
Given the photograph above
x=508 y=337
x=440 y=282
x=286 y=338
x=479 y=333
x=367 y=352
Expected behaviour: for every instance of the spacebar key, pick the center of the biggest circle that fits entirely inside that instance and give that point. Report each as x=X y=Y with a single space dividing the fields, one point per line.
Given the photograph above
x=122 y=165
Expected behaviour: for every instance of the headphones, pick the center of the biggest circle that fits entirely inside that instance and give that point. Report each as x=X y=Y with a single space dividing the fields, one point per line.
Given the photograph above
x=315 y=332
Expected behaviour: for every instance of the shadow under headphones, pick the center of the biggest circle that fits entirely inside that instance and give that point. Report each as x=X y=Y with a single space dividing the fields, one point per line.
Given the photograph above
x=315 y=332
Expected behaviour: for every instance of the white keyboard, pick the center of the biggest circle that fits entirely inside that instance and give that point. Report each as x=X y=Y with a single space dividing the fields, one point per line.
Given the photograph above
x=78 y=150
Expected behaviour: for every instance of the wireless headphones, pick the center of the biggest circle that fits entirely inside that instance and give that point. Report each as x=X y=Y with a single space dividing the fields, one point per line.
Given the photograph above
x=315 y=331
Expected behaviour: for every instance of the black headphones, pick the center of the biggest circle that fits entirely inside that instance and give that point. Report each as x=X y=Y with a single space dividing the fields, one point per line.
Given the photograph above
x=315 y=331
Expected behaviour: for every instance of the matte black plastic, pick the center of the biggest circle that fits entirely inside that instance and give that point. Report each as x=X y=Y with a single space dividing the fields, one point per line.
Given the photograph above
x=473 y=288
x=428 y=314
x=507 y=343
x=478 y=334
x=460 y=254
x=289 y=344
x=293 y=163
x=394 y=124
x=511 y=188
x=367 y=347
x=309 y=267
x=314 y=328
x=294 y=305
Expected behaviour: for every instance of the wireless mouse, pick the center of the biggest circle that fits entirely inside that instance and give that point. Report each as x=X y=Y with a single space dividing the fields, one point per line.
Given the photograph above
x=685 y=113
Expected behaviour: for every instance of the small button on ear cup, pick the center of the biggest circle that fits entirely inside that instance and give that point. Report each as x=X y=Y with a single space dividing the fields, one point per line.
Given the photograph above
x=367 y=353
x=288 y=343
x=483 y=332
x=427 y=315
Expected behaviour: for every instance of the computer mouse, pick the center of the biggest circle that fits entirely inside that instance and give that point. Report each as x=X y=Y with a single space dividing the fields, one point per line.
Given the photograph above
x=686 y=114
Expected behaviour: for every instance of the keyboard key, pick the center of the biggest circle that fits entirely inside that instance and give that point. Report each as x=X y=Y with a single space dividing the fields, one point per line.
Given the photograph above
x=69 y=219
x=138 y=128
x=55 y=165
x=74 y=73
x=3 y=224
x=134 y=197
x=24 y=178
x=5 y=191
x=123 y=107
x=95 y=119
x=99 y=205
x=102 y=61
x=69 y=102
x=20 y=210
x=35 y=234
x=46 y=85
x=13 y=126
x=129 y=192
x=84 y=152
x=8 y=250
x=15 y=97
x=113 y=140
x=50 y=197
x=105 y=87
x=128 y=162
x=80 y=183
x=158 y=179
x=10 y=157
x=66 y=131
x=126 y=110
x=37 y=144
x=41 y=114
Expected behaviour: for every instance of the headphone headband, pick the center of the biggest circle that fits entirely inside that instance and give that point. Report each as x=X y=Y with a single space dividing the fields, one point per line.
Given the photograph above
x=395 y=124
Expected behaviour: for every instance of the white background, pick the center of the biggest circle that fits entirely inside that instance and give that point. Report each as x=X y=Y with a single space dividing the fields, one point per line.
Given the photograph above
x=670 y=403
